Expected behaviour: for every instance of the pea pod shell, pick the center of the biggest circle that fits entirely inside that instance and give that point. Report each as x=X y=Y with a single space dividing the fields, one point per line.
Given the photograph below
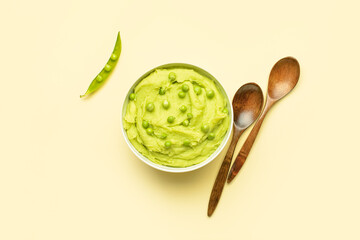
x=100 y=79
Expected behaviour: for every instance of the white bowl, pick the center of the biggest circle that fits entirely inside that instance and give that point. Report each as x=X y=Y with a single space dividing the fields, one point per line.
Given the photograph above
x=213 y=155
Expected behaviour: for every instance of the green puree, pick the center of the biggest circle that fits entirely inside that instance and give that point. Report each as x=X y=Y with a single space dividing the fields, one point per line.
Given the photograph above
x=176 y=117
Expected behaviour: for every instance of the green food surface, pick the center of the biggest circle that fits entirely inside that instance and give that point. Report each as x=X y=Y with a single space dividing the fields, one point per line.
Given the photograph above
x=176 y=117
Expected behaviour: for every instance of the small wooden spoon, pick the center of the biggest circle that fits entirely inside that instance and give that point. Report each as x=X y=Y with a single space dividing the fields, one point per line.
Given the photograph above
x=283 y=78
x=247 y=104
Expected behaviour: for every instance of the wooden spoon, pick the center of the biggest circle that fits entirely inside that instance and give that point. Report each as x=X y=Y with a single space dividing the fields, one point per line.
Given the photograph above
x=247 y=104
x=283 y=78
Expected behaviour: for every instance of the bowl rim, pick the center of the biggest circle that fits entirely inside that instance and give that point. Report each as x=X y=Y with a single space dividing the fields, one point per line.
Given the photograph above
x=192 y=167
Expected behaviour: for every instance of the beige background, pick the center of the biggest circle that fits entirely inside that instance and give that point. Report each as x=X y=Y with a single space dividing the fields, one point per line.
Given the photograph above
x=67 y=173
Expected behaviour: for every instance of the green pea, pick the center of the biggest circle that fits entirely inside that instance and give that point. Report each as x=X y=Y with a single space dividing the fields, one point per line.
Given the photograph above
x=104 y=74
x=210 y=94
x=166 y=104
x=172 y=76
x=99 y=78
x=162 y=135
x=197 y=90
x=205 y=128
x=185 y=123
x=181 y=94
x=189 y=115
x=107 y=68
x=183 y=108
x=145 y=124
x=185 y=87
x=162 y=91
x=113 y=57
x=132 y=96
x=149 y=131
x=225 y=110
x=150 y=107
x=211 y=136
x=167 y=144
x=171 y=119
x=186 y=143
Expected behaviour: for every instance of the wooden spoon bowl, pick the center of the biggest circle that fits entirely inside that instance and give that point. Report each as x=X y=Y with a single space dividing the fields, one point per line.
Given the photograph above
x=283 y=77
x=247 y=104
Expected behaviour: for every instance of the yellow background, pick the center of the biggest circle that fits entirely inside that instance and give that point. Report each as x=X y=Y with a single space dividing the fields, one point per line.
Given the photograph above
x=67 y=173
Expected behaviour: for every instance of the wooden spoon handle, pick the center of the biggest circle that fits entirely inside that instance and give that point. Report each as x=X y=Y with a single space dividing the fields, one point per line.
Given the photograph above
x=223 y=172
x=245 y=149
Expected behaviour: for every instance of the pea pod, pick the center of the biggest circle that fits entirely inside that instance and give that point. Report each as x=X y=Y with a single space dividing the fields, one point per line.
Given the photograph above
x=100 y=79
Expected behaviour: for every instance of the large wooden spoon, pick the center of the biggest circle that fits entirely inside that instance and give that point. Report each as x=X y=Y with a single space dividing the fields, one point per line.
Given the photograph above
x=283 y=78
x=247 y=104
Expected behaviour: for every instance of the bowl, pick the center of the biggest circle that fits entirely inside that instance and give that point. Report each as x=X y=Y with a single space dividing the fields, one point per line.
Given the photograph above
x=213 y=155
